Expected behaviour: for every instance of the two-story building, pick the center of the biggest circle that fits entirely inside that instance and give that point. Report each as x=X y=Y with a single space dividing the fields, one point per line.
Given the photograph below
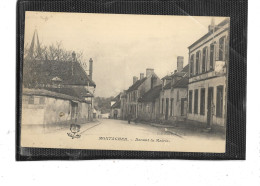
x=173 y=96
x=207 y=88
x=138 y=89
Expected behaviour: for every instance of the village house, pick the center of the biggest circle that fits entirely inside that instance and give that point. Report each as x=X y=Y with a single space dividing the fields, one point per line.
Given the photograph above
x=208 y=59
x=115 y=111
x=173 y=97
x=56 y=92
x=149 y=104
x=118 y=106
x=138 y=89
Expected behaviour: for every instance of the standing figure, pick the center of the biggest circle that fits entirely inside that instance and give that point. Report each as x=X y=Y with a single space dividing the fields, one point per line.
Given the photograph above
x=129 y=117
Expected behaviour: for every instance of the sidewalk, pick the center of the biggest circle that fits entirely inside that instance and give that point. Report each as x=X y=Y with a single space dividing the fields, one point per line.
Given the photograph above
x=193 y=128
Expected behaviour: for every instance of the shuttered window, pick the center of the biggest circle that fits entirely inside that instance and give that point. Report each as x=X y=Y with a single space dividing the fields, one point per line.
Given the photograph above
x=204 y=59
x=190 y=101
x=196 y=96
x=191 y=65
x=219 y=105
x=221 y=48
x=202 y=101
x=211 y=54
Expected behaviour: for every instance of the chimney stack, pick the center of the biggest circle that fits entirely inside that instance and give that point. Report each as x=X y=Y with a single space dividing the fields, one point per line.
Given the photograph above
x=90 y=68
x=141 y=75
x=212 y=25
x=135 y=79
x=179 y=63
x=149 y=71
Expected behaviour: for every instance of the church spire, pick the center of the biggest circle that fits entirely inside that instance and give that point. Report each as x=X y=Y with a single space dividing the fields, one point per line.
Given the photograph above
x=35 y=49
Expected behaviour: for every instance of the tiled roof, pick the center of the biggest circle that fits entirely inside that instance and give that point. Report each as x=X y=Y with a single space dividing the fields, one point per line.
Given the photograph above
x=48 y=93
x=210 y=33
x=136 y=85
x=79 y=92
x=43 y=71
x=151 y=95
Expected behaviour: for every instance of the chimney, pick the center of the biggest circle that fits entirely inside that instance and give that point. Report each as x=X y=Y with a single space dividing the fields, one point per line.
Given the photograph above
x=135 y=79
x=141 y=75
x=212 y=25
x=149 y=71
x=90 y=68
x=179 y=63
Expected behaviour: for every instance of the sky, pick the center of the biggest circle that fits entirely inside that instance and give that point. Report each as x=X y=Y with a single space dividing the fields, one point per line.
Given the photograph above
x=121 y=45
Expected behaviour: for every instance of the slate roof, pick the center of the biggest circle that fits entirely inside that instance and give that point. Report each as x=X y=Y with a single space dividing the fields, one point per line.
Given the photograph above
x=209 y=33
x=43 y=71
x=167 y=86
x=182 y=83
x=186 y=68
x=168 y=77
x=136 y=85
x=116 y=104
x=151 y=95
x=116 y=98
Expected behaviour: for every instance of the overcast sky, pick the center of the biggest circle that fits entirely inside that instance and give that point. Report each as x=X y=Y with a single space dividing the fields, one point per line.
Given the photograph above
x=121 y=46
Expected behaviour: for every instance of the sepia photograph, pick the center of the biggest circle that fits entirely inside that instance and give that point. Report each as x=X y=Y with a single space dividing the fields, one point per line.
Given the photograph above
x=125 y=82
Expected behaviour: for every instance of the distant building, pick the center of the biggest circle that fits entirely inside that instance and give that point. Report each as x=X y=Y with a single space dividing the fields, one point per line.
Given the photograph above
x=115 y=111
x=138 y=89
x=207 y=75
x=118 y=106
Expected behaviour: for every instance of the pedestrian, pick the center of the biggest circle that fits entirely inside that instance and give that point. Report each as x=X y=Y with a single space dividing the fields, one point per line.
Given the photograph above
x=129 y=117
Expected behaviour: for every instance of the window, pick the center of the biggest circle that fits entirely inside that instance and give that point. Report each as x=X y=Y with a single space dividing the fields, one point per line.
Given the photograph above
x=31 y=100
x=42 y=100
x=211 y=60
x=162 y=105
x=196 y=96
x=219 y=106
x=171 y=109
x=190 y=101
x=204 y=59
x=178 y=96
x=197 y=62
x=191 y=64
x=202 y=101
x=221 y=48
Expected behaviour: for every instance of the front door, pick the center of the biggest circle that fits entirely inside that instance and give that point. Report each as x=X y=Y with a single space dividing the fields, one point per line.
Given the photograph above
x=183 y=106
x=210 y=100
x=167 y=109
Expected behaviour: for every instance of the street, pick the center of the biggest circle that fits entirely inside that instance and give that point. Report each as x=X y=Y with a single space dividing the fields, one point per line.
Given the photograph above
x=119 y=135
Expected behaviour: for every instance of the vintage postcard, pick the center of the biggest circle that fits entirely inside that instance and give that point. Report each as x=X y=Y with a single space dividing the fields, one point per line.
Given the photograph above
x=125 y=82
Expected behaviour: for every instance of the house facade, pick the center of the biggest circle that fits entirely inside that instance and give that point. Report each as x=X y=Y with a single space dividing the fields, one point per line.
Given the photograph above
x=149 y=105
x=207 y=88
x=138 y=89
x=173 y=97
